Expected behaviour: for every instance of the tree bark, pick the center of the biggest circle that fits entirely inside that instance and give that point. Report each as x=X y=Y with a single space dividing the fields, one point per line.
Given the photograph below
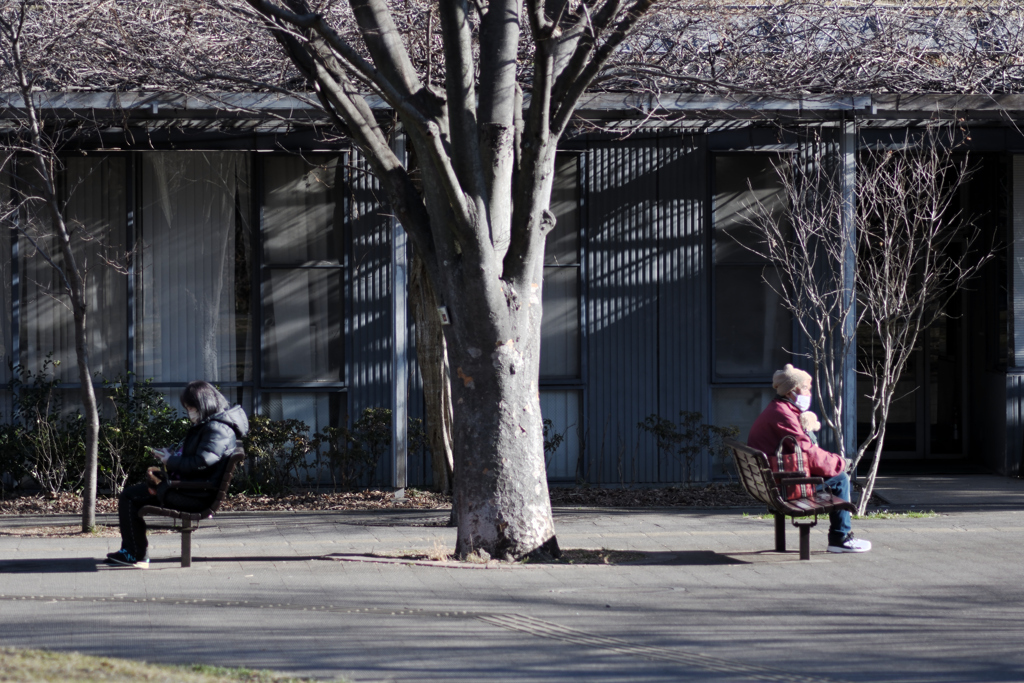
x=501 y=493
x=505 y=508
x=88 y=396
x=432 y=356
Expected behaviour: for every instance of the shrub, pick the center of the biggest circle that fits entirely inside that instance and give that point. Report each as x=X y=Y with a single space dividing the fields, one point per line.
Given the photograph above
x=552 y=439
x=141 y=418
x=12 y=456
x=354 y=454
x=688 y=438
x=49 y=443
x=275 y=451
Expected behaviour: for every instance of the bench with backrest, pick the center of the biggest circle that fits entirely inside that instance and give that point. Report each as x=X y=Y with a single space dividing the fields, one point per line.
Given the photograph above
x=190 y=520
x=767 y=486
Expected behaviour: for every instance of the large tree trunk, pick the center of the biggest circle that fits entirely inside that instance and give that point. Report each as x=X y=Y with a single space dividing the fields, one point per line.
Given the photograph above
x=501 y=493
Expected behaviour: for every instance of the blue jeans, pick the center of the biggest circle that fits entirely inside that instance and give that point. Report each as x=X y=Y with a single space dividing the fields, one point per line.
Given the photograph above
x=839 y=522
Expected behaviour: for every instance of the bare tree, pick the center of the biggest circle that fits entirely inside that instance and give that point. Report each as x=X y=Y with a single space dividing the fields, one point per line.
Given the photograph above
x=801 y=47
x=479 y=214
x=40 y=203
x=914 y=252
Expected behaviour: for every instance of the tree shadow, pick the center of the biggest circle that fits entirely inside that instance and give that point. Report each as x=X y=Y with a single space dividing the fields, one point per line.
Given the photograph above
x=687 y=558
x=81 y=565
x=60 y=565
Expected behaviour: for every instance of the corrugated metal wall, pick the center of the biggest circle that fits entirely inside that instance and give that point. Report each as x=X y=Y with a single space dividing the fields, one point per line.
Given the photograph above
x=646 y=301
x=683 y=339
x=622 y=309
x=1015 y=376
x=1014 y=442
x=368 y=343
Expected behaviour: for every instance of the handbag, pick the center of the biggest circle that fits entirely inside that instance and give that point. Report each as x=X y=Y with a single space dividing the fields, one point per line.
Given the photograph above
x=793 y=462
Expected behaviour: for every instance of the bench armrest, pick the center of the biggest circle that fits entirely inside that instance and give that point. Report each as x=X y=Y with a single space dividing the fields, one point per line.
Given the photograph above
x=790 y=479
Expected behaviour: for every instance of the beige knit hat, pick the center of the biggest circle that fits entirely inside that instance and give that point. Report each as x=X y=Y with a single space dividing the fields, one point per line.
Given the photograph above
x=789 y=378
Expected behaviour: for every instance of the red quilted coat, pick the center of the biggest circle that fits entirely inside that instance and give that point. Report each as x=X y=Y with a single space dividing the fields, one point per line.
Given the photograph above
x=780 y=419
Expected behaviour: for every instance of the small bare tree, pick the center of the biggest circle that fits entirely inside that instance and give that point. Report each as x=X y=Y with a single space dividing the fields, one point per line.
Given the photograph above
x=914 y=252
x=37 y=198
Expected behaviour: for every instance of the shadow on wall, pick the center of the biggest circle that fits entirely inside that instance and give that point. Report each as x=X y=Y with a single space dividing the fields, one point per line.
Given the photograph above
x=646 y=303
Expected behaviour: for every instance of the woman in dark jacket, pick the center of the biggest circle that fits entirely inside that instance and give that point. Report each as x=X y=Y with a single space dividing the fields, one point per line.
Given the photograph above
x=201 y=456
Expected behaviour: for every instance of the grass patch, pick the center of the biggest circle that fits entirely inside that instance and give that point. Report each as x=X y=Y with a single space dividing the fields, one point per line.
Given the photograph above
x=877 y=514
x=60 y=667
x=888 y=514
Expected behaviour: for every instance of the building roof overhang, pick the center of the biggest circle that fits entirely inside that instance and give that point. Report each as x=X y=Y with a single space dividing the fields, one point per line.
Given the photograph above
x=271 y=111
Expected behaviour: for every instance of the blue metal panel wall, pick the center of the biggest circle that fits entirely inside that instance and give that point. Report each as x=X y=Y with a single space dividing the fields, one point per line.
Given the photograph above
x=683 y=353
x=622 y=309
x=1014 y=443
x=1014 y=450
x=368 y=346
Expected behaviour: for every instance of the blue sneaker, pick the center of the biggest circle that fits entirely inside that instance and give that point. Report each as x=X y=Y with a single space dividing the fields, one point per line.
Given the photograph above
x=123 y=557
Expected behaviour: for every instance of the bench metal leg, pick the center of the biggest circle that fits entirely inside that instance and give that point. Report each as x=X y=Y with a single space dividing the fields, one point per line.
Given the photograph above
x=186 y=543
x=805 y=535
x=780 y=533
x=805 y=541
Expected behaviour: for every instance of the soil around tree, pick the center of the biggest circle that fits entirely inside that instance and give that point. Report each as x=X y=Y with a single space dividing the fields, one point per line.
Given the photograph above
x=710 y=495
x=695 y=496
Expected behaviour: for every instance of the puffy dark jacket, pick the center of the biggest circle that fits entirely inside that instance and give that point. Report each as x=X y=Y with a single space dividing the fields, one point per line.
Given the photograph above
x=207 y=445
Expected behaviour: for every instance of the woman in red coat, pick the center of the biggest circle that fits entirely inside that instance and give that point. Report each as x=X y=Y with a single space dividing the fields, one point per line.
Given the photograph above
x=781 y=419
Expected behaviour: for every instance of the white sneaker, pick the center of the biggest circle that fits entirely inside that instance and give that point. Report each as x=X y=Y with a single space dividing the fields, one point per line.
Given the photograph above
x=850 y=545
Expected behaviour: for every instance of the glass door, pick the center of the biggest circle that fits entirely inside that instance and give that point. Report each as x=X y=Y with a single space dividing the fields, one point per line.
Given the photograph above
x=926 y=419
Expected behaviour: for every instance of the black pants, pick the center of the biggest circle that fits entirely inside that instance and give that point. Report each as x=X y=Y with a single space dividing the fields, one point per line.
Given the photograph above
x=133 y=527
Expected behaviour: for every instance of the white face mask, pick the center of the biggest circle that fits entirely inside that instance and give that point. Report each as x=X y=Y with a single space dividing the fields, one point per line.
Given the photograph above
x=193 y=415
x=803 y=402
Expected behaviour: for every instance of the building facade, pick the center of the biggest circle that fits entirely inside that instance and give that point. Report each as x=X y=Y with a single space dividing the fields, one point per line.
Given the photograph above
x=265 y=260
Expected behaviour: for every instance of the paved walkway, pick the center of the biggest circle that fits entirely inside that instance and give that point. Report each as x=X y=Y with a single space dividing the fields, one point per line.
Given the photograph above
x=951 y=492
x=938 y=599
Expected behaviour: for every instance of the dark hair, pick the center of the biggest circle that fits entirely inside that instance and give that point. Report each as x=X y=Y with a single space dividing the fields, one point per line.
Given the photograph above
x=204 y=398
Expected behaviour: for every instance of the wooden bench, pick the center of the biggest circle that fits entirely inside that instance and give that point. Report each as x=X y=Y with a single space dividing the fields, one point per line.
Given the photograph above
x=190 y=520
x=762 y=483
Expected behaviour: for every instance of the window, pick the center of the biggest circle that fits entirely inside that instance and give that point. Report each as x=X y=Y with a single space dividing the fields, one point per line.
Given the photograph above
x=752 y=330
x=196 y=288
x=303 y=256
x=302 y=271
x=194 y=268
x=560 y=366
x=95 y=210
